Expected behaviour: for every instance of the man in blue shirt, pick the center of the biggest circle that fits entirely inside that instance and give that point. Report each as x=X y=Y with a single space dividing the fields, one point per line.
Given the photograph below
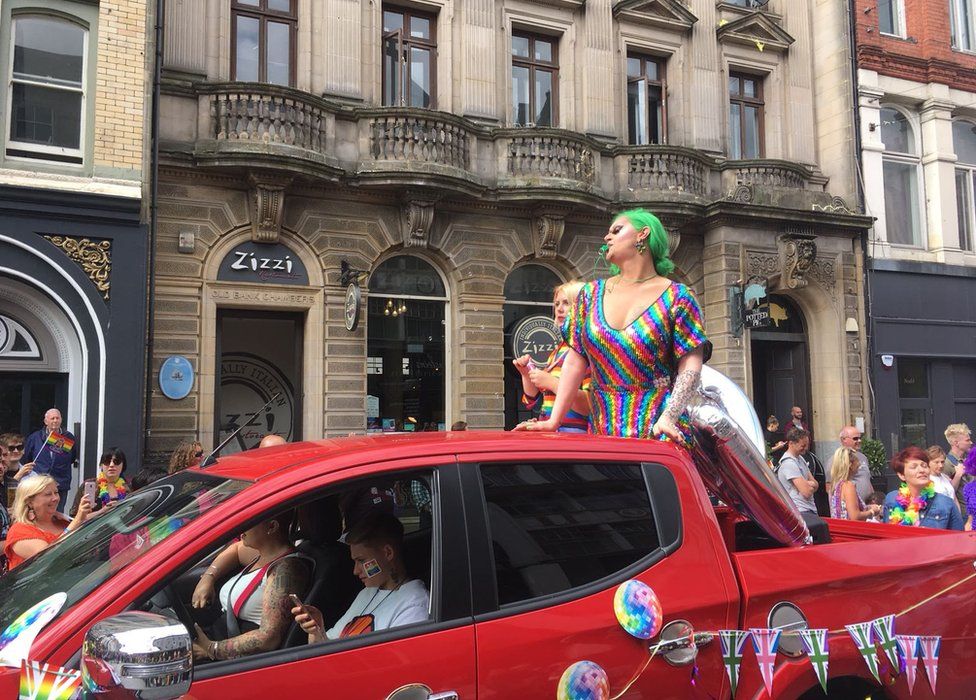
x=56 y=460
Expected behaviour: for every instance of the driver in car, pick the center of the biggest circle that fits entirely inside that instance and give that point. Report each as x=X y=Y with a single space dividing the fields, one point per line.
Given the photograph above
x=389 y=597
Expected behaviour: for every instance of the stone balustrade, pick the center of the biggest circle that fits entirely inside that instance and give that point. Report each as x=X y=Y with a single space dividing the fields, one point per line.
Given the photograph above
x=549 y=153
x=770 y=173
x=667 y=169
x=263 y=114
x=415 y=135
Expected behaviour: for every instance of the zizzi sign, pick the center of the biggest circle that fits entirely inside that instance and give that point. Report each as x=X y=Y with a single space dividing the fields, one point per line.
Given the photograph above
x=537 y=337
x=264 y=264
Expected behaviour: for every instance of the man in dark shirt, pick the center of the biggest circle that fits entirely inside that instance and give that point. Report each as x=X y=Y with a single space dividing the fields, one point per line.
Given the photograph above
x=55 y=459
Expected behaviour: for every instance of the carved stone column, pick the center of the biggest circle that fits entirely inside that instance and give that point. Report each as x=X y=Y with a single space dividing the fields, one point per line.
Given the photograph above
x=417 y=219
x=267 y=205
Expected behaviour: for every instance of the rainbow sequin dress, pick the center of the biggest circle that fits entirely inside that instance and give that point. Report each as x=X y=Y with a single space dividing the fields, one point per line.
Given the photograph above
x=632 y=369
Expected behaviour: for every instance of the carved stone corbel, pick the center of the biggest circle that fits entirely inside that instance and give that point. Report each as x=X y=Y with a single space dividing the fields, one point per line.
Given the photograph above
x=417 y=219
x=798 y=251
x=672 y=225
x=267 y=206
x=547 y=231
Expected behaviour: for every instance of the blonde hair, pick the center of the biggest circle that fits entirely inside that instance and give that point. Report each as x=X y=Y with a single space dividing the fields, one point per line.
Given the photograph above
x=571 y=289
x=840 y=465
x=183 y=456
x=934 y=452
x=956 y=430
x=26 y=490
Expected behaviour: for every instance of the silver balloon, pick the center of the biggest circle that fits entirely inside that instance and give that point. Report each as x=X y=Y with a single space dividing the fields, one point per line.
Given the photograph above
x=730 y=453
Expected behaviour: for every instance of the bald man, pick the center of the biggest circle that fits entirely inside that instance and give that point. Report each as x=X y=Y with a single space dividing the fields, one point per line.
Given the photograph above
x=56 y=460
x=850 y=437
x=272 y=440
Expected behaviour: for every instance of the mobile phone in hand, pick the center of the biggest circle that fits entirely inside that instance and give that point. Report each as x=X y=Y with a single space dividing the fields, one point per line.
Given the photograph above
x=297 y=601
x=91 y=488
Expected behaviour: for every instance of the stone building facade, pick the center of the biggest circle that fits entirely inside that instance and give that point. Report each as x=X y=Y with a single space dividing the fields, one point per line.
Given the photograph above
x=73 y=235
x=458 y=158
x=917 y=86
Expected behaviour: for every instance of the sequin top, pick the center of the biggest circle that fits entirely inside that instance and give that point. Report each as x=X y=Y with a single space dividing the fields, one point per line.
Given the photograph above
x=632 y=368
x=554 y=365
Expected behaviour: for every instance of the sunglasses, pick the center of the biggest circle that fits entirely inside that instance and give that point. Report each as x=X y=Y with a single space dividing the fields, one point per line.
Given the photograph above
x=199 y=453
x=114 y=460
x=16 y=448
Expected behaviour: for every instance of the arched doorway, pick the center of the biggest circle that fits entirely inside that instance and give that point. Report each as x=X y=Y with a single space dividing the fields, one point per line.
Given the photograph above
x=406 y=352
x=780 y=363
x=528 y=294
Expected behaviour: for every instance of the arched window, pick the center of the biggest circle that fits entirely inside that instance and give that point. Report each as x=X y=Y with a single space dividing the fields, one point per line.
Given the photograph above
x=528 y=297
x=964 y=144
x=406 y=352
x=901 y=178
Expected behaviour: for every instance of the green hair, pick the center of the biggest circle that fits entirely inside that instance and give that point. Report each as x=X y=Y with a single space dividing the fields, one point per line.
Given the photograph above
x=657 y=239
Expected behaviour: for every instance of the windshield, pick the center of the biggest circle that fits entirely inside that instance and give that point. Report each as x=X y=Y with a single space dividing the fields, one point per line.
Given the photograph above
x=114 y=538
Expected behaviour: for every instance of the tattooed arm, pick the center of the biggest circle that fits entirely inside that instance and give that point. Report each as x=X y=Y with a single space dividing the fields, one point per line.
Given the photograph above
x=685 y=385
x=290 y=575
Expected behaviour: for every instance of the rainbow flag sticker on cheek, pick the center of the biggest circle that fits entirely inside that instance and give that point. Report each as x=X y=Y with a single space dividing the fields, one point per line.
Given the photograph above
x=16 y=640
x=371 y=567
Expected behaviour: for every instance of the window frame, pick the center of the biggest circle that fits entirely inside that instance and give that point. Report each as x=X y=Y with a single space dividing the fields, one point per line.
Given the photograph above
x=898 y=12
x=661 y=82
x=663 y=499
x=966 y=219
x=263 y=15
x=955 y=22
x=49 y=154
x=404 y=44
x=913 y=159
x=533 y=65
x=741 y=100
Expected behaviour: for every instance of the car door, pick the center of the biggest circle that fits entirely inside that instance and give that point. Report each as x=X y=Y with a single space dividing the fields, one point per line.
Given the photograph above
x=557 y=538
x=438 y=654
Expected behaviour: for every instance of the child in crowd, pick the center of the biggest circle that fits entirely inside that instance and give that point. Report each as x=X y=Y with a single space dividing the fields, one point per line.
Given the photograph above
x=877 y=498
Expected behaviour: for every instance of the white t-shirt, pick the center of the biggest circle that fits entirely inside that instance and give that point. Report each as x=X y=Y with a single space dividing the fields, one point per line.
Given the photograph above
x=791 y=467
x=405 y=605
x=943 y=485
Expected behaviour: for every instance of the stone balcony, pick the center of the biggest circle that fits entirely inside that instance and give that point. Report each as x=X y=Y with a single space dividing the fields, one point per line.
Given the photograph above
x=251 y=126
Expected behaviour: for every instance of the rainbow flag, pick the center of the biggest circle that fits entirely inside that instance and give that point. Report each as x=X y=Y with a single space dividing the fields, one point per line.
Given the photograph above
x=57 y=441
x=40 y=681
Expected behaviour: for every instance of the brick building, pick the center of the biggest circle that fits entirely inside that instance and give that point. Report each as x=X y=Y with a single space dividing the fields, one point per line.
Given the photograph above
x=917 y=85
x=466 y=156
x=73 y=242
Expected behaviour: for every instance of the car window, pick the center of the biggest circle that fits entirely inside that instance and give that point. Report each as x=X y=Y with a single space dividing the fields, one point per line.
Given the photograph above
x=557 y=526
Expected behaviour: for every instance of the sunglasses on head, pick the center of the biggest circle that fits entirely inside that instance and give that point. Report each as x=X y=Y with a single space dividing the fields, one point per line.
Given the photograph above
x=16 y=448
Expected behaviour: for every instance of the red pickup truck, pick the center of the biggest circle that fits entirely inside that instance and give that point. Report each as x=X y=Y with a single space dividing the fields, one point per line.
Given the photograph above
x=521 y=540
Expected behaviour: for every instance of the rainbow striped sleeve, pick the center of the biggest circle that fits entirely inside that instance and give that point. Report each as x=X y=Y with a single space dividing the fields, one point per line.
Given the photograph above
x=531 y=402
x=575 y=323
x=689 y=328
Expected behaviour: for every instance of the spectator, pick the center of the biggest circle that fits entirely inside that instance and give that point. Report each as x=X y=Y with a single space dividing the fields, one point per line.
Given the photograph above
x=37 y=523
x=775 y=444
x=850 y=437
x=4 y=515
x=969 y=489
x=13 y=469
x=53 y=451
x=459 y=425
x=845 y=501
x=796 y=419
x=111 y=487
x=820 y=475
x=186 y=455
x=960 y=442
x=875 y=499
x=943 y=484
x=916 y=503
x=272 y=440
x=794 y=474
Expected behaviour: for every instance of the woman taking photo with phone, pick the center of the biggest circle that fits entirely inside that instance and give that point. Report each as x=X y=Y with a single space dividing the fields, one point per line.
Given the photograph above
x=37 y=523
x=109 y=487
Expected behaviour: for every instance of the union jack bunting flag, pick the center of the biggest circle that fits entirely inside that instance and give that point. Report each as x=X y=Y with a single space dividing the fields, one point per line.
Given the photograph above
x=930 y=646
x=861 y=634
x=908 y=646
x=765 y=642
x=815 y=643
x=884 y=630
x=39 y=681
x=733 y=642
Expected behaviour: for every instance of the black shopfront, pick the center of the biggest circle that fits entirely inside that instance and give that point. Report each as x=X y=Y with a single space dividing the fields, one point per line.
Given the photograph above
x=923 y=354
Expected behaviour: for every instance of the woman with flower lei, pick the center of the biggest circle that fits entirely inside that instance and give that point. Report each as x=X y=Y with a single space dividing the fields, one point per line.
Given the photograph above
x=110 y=486
x=915 y=502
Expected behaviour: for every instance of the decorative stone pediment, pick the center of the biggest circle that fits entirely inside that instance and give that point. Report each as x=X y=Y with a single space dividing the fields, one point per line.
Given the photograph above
x=756 y=30
x=667 y=14
x=417 y=219
x=548 y=226
x=267 y=205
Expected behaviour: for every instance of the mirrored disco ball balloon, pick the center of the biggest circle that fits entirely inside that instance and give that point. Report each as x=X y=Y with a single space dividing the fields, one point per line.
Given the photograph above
x=638 y=609
x=584 y=680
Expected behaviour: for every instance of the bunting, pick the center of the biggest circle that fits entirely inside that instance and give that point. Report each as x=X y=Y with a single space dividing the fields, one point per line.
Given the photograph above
x=733 y=642
x=884 y=630
x=861 y=634
x=46 y=682
x=930 y=647
x=765 y=642
x=815 y=643
x=908 y=646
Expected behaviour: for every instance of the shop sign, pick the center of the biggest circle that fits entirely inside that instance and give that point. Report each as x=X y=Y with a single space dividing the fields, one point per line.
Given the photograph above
x=537 y=337
x=755 y=300
x=354 y=301
x=176 y=377
x=248 y=382
x=264 y=264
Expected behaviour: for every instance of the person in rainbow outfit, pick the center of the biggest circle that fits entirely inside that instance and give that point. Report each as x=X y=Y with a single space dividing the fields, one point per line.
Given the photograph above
x=539 y=383
x=640 y=335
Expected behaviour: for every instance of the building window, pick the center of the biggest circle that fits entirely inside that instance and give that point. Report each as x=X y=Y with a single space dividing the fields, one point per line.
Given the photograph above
x=964 y=144
x=963 y=24
x=745 y=116
x=891 y=17
x=47 y=89
x=535 y=75
x=263 y=46
x=409 y=57
x=901 y=165
x=646 y=96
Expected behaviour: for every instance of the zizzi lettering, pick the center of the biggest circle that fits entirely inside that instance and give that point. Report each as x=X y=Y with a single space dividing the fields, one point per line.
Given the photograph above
x=249 y=261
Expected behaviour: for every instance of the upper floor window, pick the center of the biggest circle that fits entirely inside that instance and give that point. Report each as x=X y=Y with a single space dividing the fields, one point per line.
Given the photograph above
x=263 y=46
x=47 y=89
x=891 y=17
x=963 y=24
x=756 y=4
x=646 y=95
x=409 y=57
x=745 y=116
x=964 y=144
x=900 y=164
x=535 y=75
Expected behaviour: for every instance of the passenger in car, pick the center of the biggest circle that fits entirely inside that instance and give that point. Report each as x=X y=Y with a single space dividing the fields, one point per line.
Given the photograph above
x=389 y=597
x=255 y=601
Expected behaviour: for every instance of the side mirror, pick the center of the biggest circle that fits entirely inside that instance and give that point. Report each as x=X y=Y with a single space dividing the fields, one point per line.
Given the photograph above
x=137 y=655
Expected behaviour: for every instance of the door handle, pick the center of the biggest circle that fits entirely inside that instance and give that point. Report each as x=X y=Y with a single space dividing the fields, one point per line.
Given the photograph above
x=446 y=695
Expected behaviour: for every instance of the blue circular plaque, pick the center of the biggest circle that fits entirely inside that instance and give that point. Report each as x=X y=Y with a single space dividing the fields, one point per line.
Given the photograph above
x=176 y=377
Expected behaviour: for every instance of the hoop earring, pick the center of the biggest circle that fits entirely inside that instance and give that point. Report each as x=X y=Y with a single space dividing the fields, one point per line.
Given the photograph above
x=641 y=247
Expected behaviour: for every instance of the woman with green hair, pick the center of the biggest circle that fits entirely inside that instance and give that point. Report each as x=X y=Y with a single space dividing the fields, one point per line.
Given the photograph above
x=641 y=336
